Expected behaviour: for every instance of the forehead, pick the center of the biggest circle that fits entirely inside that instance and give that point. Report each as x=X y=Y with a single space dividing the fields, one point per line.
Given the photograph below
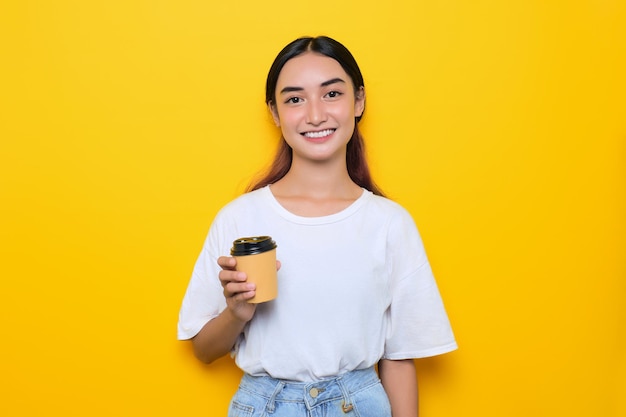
x=310 y=70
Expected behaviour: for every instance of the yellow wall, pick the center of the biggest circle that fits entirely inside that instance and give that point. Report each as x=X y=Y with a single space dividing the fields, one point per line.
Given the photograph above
x=125 y=125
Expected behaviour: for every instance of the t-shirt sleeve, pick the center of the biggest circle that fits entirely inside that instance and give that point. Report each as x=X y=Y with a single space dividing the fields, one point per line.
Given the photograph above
x=204 y=298
x=418 y=323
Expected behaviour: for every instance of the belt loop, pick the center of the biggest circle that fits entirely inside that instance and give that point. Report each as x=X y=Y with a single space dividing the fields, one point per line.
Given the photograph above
x=271 y=404
x=346 y=406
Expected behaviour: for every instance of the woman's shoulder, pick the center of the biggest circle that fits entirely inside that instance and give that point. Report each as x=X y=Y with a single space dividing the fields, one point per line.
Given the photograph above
x=245 y=202
x=389 y=212
x=387 y=205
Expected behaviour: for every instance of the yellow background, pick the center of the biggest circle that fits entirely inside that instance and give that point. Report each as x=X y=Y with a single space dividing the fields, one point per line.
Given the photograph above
x=125 y=126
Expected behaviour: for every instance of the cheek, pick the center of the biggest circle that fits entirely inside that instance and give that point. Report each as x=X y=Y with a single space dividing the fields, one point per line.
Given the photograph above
x=346 y=115
x=345 y=111
x=289 y=119
x=287 y=123
x=282 y=113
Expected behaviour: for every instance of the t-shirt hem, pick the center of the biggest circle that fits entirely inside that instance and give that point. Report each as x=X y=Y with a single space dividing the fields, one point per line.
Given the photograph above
x=190 y=332
x=439 y=350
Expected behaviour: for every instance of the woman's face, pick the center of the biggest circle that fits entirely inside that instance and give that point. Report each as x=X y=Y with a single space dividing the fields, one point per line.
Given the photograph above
x=316 y=106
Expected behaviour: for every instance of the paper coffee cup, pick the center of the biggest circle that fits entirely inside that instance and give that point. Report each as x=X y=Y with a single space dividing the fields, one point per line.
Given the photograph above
x=256 y=256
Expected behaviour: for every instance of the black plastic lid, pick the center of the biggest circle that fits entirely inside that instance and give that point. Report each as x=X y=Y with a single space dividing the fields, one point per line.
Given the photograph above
x=252 y=245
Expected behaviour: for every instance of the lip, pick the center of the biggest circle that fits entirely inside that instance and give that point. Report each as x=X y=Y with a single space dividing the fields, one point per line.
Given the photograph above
x=318 y=135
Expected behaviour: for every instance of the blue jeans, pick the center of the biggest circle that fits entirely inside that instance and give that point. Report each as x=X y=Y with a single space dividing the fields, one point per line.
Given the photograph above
x=354 y=394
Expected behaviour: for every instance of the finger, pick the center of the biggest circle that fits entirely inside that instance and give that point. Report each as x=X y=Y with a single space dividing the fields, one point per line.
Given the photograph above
x=227 y=262
x=245 y=296
x=227 y=276
x=278 y=265
x=233 y=289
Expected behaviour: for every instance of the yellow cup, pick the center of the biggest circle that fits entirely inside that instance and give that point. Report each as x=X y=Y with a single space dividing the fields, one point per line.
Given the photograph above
x=256 y=256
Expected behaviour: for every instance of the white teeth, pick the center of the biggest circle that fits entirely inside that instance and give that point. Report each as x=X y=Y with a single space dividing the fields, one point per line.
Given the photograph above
x=319 y=134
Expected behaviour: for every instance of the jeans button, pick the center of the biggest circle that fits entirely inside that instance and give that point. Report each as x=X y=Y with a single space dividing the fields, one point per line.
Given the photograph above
x=314 y=392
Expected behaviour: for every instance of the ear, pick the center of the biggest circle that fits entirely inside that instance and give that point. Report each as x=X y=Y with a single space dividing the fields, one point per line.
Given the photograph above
x=272 y=107
x=359 y=102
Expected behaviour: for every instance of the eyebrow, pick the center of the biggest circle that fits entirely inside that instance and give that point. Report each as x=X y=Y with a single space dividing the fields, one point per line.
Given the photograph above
x=324 y=84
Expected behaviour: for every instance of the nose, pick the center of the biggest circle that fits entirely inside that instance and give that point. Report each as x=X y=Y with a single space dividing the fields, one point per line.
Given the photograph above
x=316 y=114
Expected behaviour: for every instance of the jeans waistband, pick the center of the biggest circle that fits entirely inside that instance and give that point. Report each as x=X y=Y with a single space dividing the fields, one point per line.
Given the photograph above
x=312 y=393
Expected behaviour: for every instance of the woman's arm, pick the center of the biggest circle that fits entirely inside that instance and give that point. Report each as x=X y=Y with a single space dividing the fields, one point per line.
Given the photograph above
x=219 y=335
x=400 y=382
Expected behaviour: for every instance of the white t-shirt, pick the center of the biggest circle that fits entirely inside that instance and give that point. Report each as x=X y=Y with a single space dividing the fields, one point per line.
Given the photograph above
x=354 y=287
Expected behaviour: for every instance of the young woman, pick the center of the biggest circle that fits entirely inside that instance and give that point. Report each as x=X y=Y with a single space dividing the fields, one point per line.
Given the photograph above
x=355 y=286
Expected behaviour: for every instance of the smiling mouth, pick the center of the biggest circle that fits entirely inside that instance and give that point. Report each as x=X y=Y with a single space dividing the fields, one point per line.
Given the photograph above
x=320 y=134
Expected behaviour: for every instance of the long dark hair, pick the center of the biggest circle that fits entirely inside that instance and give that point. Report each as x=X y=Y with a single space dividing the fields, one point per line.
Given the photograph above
x=356 y=162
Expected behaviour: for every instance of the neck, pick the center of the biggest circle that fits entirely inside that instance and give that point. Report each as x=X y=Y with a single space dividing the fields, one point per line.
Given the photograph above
x=314 y=190
x=318 y=180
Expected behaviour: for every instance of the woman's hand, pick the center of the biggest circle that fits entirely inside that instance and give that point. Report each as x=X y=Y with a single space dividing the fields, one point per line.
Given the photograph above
x=237 y=290
x=218 y=336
